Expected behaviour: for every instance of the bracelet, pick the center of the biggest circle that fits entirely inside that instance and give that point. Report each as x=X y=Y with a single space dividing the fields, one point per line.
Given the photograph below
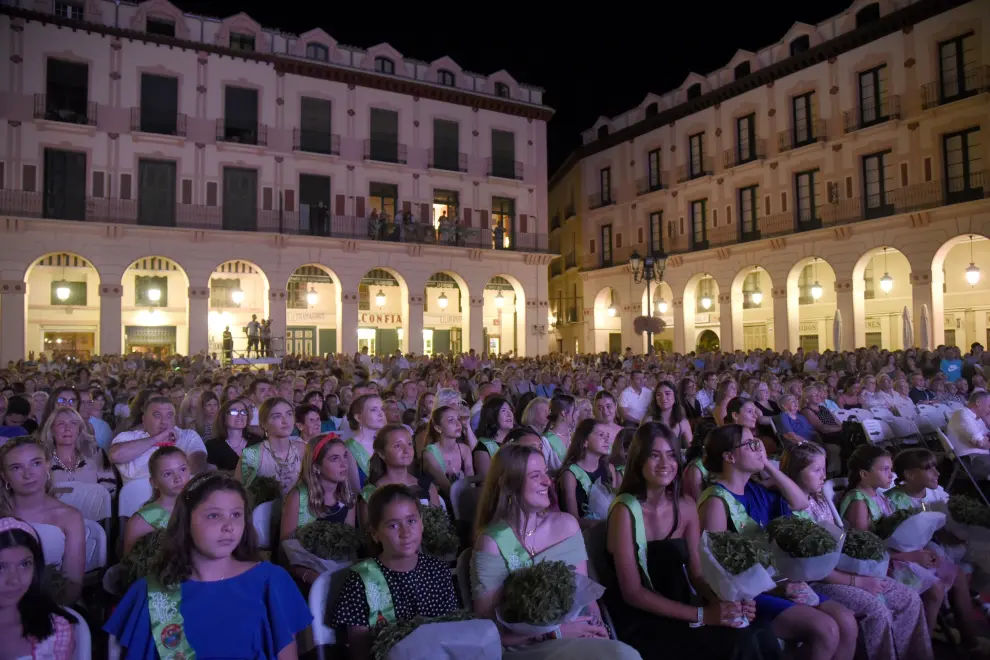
x=701 y=616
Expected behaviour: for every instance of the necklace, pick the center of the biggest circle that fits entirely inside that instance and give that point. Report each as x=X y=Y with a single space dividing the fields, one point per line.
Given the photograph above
x=59 y=463
x=279 y=462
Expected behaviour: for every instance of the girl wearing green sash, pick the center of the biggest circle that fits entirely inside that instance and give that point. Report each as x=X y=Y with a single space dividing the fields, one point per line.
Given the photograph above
x=169 y=472
x=607 y=412
x=391 y=464
x=585 y=464
x=620 y=450
x=207 y=594
x=494 y=423
x=366 y=417
x=557 y=436
x=515 y=529
x=445 y=459
x=322 y=492
x=280 y=454
x=400 y=583
x=737 y=503
x=667 y=410
x=650 y=566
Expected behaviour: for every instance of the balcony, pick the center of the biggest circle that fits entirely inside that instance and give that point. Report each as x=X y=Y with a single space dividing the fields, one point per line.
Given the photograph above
x=570 y=260
x=695 y=170
x=64 y=108
x=18 y=203
x=652 y=182
x=866 y=116
x=600 y=199
x=733 y=157
x=315 y=142
x=505 y=169
x=791 y=139
x=976 y=80
x=237 y=132
x=149 y=121
x=385 y=151
x=449 y=160
x=569 y=212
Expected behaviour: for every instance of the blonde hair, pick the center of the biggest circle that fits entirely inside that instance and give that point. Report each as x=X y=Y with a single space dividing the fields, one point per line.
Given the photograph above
x=309 y=475
x=529 y=412
x=86 y=447
x=503 y=485
x=6 y=491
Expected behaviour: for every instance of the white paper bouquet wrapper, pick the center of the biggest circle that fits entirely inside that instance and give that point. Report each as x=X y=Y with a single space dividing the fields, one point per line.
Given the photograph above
x=807 y=569
x=300 y=556
x=733 y=588
x=864 y=567
x=454 y=640
x=599 y=499
x=916 y=532
x=586 y=592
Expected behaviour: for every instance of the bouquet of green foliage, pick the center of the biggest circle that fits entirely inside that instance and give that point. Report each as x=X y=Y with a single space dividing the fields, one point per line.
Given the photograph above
x=538 y=598
x=802 y=550
x=457 y=634
x=439 y=537
x=863 y=553
x=735 y=567
x=969 y=521
x=323 y=546
x=139 y=561
x=968 y=511
x=909 y=530
x=262 y=489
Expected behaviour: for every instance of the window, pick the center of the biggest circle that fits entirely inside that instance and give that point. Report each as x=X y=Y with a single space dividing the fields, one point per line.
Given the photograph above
x=652 y=109
x=656 y=232
x=751 y=285
x=445 y=77
x=67 y=93
x=70 y=10
x=384 y=198
x=955 y=56
x=445 y=202
x=314 y=204
x=606 y=246
x=802 y=116
x=872 y=94
x=963 y=164
x=694 y=91
x=605 y=185
x=159 y=104
x=240 y=41
x=742 y=70
x=446 y=146
x=696 y=155
x=699 y=231
x=143 y=285
x=384 y=143
x=315 y=135
x=384 y=65
x=317 y=52
x=503 y=219
x=602 y=132
x=77 y=293
x=748 y=209
x=159 y=26
x=653 y=178
x=504 y=154
x=800 y=45
x=502 y=90
x=877 y=174
x=745 y=128
x=866 y=15
x=241 y=115
x=806 y=282
x=221 y=292
x=806 y=193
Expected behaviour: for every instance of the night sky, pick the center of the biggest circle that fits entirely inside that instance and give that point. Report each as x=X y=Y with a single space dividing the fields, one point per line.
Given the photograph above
x=591 y=62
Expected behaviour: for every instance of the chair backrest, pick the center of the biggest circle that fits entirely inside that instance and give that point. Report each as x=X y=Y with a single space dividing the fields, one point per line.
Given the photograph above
x=261 y=517
x=860 y=413
x=83 y=639
x=464 y=496
x=93 y=500
x=881 y=413
x=842 y=414
x=874 y=430
x=133 y=496
x=464 y=578
x=833 y=491
x=96 y=545
x=319 y=593
x=596 y=545
x=946 y=444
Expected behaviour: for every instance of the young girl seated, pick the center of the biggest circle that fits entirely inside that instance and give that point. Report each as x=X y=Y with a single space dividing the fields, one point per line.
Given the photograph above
x=169 y=471
x=322 y=492
x=208 y=594
x=390 y=464
x=416 y=584
x=445 y=459
x=620 y=449
x=494 y=423
x=585 y=464
x=31 y=624
x=280 y=454
x=890 y=616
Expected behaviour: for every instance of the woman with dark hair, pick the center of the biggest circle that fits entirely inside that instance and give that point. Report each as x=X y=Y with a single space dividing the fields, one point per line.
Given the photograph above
x=208 y=578
x=585 y=464
x=494 y=423
x=667 y=410
x=32 y=625
x=230 y=436
x=653 y=539
x=60 y=397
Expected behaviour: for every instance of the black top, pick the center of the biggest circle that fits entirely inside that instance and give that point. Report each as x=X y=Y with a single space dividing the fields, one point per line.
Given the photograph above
x=579 y=494
x=337 y=514
x=219 y=453
x=427 y=590
x=692 y=409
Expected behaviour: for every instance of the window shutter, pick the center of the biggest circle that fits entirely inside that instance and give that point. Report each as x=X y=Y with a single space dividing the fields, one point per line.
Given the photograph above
x=266 y=198
x=211 y=193
x=341 y=201
x=359 y=207
x=424 y=213
x=467 y=217
x=98 y=184
x=187 y=191
x=523 y=223
x=483 y=219
x=125 y=186
x=289 y=199
x=640 y=236
x=407 y=207
x=2 y=178
x=29 y=172
x=591 y=246
x=618 y=240
x=783 y=202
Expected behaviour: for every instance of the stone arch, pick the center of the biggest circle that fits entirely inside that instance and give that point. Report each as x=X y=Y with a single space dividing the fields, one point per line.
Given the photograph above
x=490 y=310
x=691 y=300
x=383 y=318
x=231 y=281
x=313 y=306
x=755 y=305
x=154 y=306
x=62 y=305
x=825 y=276
x=605 y=323
x=950 y=287
x=437 y=305
x=887 y=317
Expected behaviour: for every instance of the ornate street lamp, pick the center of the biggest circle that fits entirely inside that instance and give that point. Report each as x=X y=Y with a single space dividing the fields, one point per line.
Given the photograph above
x=380 y=298
x=442 y=301
x=312 y=297
x=650 y=270
x=237 y=296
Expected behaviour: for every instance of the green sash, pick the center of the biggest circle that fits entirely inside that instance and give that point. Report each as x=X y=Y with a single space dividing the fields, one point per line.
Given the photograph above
x=900 y=500
x=167 y=624
x=556 y=444
x=512 y=550
x=380 y=606
x=639 y=531
x=437 y=453
x=305 y=515
x=155 y=515
x=368 y=490
x=741 y=521
x=706 y=477
x=360 y=454
x=582 y=477
x=490 y=445
x=875 y=512
x=250 y=463
x=621 y=471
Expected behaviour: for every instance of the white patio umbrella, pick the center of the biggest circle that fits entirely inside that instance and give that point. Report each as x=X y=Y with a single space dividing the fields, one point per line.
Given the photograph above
x=908 y=331
x=925 y=331
x=837 y=331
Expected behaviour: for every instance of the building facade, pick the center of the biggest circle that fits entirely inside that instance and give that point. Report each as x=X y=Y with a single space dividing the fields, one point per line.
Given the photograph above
x=830 y=190
x=165 y=176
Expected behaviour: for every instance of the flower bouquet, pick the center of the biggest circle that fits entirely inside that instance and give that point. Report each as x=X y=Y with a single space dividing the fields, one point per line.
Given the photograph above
x=454 y=635
x=264 y=493
x=323 y=546
x=262 y=490
x=735 y=568
x=909 y=530
x=439 y=537
x=969 y=520
x=538 y=598
x=136 y=564
x=803 y=551
x=863 y=553
x=599 y=500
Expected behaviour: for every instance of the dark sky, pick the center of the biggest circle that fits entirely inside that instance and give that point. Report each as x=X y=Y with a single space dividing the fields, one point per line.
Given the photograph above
x=590 y=62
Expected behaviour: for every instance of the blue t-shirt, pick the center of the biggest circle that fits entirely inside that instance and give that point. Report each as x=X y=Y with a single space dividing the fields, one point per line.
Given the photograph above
x=254 y=615
x=799 y=426
x=951 y=368
x=762 y=504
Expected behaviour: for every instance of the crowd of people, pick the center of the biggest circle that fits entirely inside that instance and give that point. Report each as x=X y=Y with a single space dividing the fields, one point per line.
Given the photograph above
x=612 y=464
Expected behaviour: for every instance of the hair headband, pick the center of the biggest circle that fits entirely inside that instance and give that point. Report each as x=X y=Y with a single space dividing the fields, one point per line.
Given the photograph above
x=325 y=439
x=9 y=523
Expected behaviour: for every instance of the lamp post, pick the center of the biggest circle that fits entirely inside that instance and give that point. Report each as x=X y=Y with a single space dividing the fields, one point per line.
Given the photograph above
x=650 y=270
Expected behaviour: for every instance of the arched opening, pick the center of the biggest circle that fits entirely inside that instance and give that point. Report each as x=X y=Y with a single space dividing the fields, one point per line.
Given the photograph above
x=383 y=310
x=154 y=307
x=446 y=314
x=312 y=301
x=882 y=281
x=608 y=322
x=752 y=309
x=961 y=292
x=707 y=342
x=661 y=299
x=504 y=327
x=701 y=309
x=63 y=306
x=238 y=301
x=811 y=291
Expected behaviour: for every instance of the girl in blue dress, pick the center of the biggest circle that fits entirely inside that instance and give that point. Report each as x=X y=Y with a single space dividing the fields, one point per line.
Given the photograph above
x=208 y=594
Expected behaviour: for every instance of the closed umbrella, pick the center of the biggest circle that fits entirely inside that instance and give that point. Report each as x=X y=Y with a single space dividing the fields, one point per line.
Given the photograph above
x=925 y=331
x=837 y=331
x=908 y=333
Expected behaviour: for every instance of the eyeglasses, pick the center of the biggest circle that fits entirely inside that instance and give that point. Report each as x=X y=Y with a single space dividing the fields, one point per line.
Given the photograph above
x=753 y=445
x=64 y=401
x=237 y=413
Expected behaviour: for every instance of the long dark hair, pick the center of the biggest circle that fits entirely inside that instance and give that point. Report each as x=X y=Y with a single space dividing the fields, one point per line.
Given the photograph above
x=36 y=607
x=578 y=448
x=862 y=460
x=488 y=418
x=174 y=564
x=633 y=481
x=676 y=412
x=376 y=465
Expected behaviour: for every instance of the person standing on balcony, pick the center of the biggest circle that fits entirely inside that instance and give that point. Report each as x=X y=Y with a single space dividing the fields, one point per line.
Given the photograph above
x=228 y=345
x=266 y=337
x=253 y=332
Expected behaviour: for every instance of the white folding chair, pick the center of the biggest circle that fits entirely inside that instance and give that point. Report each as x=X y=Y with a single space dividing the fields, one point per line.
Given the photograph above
x=322 y=596
x=92 y=500
x=957 y=463
x=96 y=546
x=261 y=517
x=875 y=430
x=464 y=496
x=902 y=429
x=841 y=415
x=133 y=496
x=860 y=413
x=82 y=637
x=832 y=491
x=464 y=578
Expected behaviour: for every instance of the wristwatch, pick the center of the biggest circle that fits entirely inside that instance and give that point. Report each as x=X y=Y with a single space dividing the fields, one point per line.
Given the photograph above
x=701 y=619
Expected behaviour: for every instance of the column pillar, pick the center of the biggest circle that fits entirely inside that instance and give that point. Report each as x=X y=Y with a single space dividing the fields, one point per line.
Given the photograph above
x=726 y=340
x=13 y=319
x=348 y=323
x=277 y=302
x=853 y=324
x=781 y=323
x=110 y=319
x=414 y=325
x=630 y=339
x=677 y=311
x=922 y=297
x=476 y=325
x=199 y=320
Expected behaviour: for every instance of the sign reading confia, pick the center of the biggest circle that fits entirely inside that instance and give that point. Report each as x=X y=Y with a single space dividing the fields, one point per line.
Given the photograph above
x=381 y=319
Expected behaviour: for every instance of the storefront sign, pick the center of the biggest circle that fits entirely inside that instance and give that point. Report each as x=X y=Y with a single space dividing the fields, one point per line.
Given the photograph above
x=307 y=317
x=380 y=319
x=808 y=327
x=873 y=324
